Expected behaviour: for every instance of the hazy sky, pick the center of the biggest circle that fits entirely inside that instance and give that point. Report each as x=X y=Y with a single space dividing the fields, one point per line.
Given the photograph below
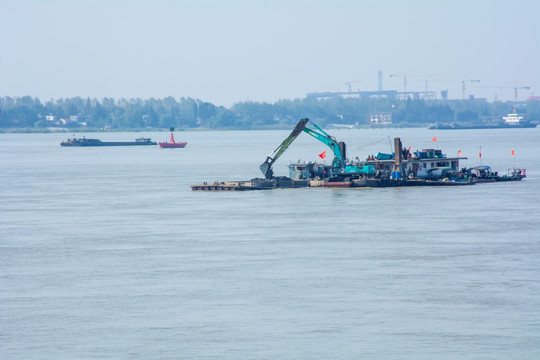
x=229 y=51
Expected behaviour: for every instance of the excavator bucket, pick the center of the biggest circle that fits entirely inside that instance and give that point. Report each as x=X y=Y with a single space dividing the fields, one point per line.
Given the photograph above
x=265 y=168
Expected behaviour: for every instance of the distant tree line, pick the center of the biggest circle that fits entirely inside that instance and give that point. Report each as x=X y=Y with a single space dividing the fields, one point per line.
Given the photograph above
x=30 y=114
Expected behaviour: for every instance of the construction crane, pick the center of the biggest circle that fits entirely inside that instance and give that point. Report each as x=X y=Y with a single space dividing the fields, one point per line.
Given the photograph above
x=463 y=85
x=404 y=76
x=349 y=83
x=404 y=80
x=516 y=91
x=516 y=88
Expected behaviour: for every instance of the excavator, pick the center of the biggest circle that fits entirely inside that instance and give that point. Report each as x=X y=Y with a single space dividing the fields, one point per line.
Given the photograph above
x=338 y=148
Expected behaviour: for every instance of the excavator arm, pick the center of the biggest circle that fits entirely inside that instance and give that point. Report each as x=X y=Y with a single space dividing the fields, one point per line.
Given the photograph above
x=266 y=167
x=323 y=137
x=337 y=148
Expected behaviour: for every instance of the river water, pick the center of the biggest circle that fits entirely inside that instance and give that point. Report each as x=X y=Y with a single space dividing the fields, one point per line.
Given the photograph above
x=106 y=253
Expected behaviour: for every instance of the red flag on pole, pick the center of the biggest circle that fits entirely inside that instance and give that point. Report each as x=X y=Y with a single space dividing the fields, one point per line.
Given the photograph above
x=322 y=155
x=513 y=153
x=480 y=154
x=434 y=138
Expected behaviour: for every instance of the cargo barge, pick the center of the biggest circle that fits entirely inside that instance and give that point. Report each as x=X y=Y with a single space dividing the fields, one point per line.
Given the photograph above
x=96 y=142
x=456 y=126
x=510 y=121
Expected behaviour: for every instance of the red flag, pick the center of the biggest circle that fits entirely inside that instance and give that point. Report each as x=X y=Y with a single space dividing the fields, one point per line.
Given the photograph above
x=513 y=153
x=434 y=138
x=322 y=155
x=459 y=153
x=480 y=154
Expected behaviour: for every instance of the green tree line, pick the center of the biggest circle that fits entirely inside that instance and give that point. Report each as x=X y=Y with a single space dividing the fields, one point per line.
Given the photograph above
x=186 y=113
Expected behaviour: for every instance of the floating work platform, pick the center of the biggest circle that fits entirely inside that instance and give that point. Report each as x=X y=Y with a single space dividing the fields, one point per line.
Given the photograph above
x=287 y=183
x=253 y=184
x=215 y=186
x=429 y=167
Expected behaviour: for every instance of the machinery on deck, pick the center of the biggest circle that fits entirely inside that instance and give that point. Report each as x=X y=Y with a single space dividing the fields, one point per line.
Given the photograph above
x=266 y=167
x=338 y=148
x=384 y=170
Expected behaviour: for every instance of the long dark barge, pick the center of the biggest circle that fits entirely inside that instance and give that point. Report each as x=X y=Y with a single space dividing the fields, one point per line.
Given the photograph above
x=264 y=184
x=455 y=126
x=510 y=121
x=96 y=142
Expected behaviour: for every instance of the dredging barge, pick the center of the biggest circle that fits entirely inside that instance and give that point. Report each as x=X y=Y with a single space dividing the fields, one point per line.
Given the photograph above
x=428 y=167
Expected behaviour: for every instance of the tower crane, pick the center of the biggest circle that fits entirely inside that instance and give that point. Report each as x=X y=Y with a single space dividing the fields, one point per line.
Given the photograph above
x=463 y=85
x=404 y=76
x=516 y=88
x=348 y=83
x=404 y=80
x=516 y=91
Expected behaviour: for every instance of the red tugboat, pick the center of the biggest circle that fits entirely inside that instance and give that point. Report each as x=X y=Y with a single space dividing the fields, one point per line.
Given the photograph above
x=172 y=144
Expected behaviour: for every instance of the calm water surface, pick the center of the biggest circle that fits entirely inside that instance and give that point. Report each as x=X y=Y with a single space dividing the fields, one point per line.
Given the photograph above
x=106 y=253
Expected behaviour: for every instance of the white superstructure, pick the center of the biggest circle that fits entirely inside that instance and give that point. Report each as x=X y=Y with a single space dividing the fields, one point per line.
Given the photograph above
x=513 y=118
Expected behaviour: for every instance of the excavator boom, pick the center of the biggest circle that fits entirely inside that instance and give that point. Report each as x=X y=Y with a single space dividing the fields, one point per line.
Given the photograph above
x=323 y=137
x=338 y=148
x=266 y=167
